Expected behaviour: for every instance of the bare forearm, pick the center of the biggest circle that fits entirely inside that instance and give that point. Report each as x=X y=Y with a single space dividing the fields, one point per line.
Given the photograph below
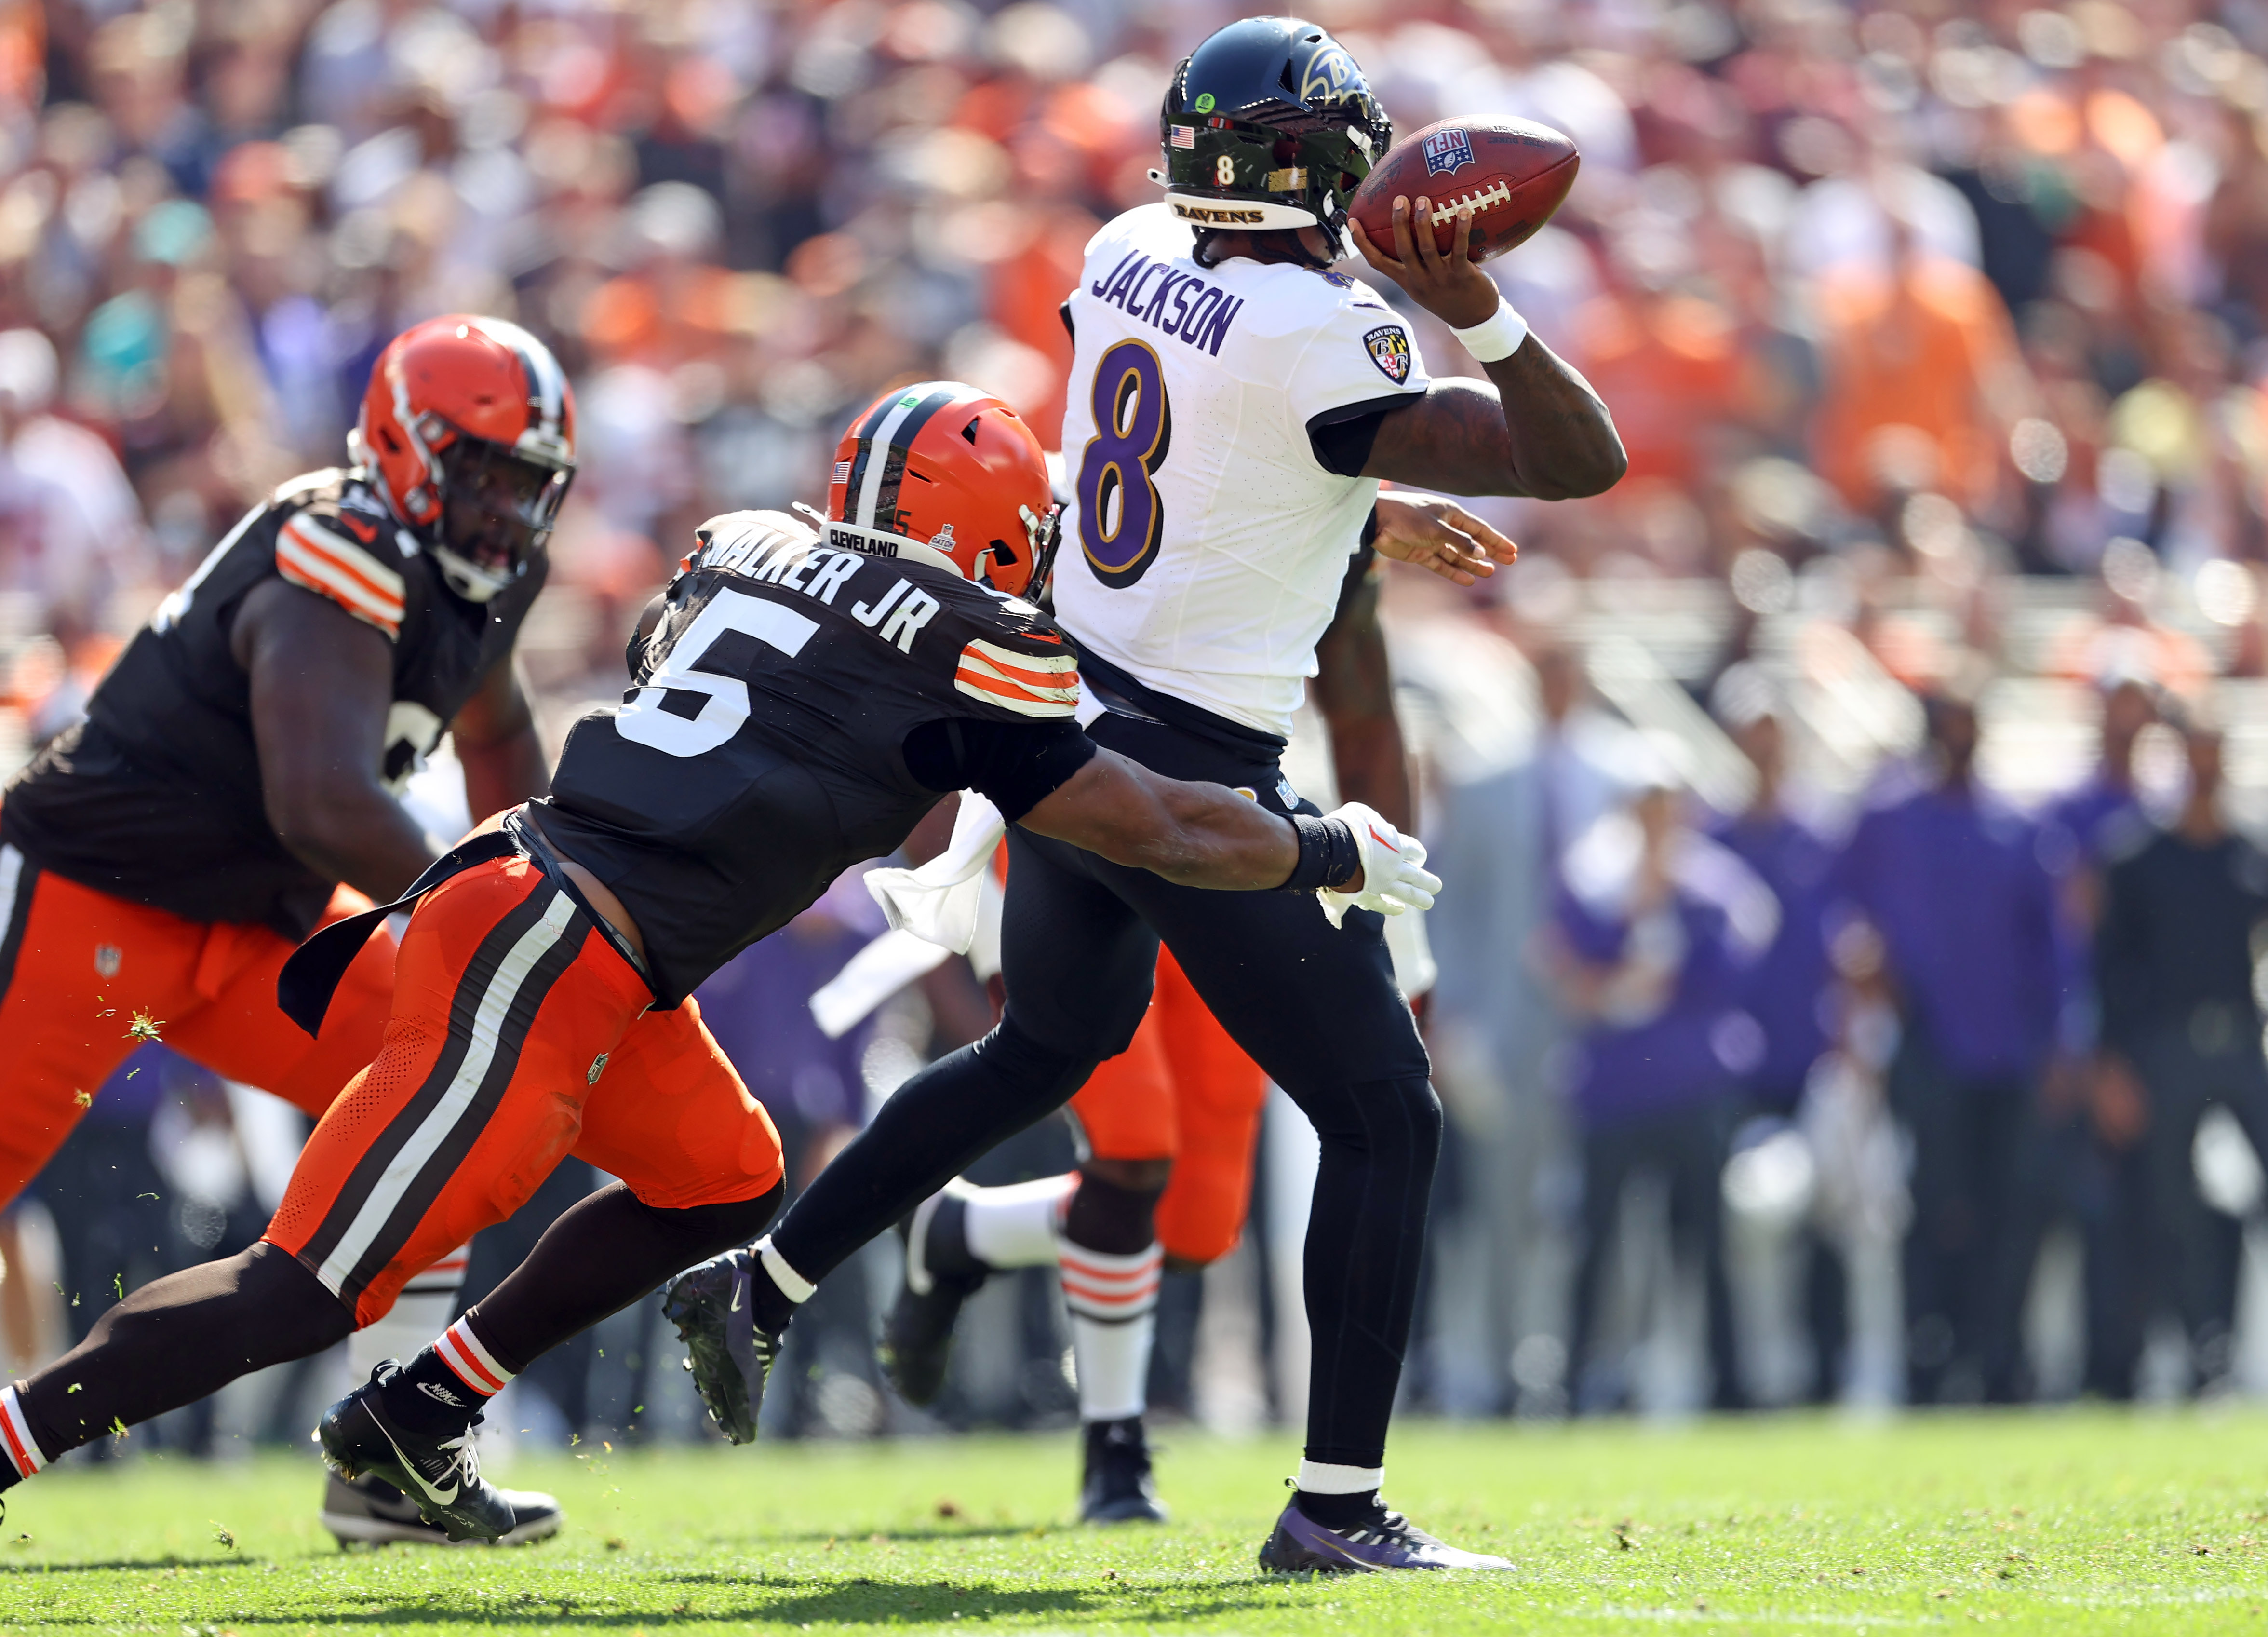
x=1553 y=440
x=1563 y=442
x=1538 y=429
x=497 y=745
x=363 y=838
x=1212 y=838
x=1368 y=758
x=503 y=773
x=1194 y=835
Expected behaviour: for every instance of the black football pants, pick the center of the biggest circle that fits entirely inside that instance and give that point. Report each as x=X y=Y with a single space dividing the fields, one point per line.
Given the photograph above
x=1315 y=1007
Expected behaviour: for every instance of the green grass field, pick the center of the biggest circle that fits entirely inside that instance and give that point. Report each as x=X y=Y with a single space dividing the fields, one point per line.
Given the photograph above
x=2049 y=1522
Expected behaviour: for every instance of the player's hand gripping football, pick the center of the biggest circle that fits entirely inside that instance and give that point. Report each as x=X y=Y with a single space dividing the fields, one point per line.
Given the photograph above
x=1439 y=536
x=1449 y=286
x=1393 y=874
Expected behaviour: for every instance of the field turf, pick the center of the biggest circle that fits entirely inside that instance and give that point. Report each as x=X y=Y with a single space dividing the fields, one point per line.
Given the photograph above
x=2061 y=1522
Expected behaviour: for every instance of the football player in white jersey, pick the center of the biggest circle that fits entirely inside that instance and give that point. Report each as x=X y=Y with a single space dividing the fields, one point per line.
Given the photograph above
x=1233 y=404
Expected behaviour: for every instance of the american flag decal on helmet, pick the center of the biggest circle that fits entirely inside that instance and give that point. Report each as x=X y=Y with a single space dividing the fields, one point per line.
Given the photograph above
x=1029 y=684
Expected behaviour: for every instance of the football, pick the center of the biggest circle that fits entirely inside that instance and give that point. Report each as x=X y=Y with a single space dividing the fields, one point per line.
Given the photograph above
x=1508 y=175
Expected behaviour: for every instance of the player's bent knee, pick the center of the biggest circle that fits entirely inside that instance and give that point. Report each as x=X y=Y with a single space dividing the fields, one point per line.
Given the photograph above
x=1380 y=1117
x=695 y=1233
x=1025 y=1063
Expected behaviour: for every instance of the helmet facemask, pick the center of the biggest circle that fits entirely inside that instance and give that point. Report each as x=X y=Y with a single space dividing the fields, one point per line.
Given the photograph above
x=498 y=506
x=1042 y=534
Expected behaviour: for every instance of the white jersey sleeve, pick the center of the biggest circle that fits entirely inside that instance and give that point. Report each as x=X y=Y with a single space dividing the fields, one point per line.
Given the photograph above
x=1359 y=358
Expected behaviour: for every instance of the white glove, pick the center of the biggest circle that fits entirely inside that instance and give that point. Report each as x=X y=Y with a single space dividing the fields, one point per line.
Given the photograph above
x=943 y=900
x=1394 y=876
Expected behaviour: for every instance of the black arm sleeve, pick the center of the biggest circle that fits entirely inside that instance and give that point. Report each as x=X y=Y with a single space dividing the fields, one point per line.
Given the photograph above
x=1341 y=438
x=1017 y=765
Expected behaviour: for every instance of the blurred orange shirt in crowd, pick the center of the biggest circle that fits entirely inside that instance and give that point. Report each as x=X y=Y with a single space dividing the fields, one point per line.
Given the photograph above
x=636 y=318
x=1928 y=351
x=1028 y=289
x=1671 y=367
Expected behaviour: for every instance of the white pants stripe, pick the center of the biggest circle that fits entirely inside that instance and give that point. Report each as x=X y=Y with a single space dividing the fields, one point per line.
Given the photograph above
x=488 y=1021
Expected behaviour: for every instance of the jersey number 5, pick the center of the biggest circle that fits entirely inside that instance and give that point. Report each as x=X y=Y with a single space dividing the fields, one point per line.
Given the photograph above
x=1122 y=517
x=694 y=704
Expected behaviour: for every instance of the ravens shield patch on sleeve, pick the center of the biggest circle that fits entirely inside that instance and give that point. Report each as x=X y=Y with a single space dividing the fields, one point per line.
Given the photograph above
x=1389 y=349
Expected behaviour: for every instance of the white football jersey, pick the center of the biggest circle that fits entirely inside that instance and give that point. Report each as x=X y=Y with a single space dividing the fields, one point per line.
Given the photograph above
x=1204 y=546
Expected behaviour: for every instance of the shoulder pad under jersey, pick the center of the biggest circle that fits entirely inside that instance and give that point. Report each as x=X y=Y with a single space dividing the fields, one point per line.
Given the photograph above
x=338 y=541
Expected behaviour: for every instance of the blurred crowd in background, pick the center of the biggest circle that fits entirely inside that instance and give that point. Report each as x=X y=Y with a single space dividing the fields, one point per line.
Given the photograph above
x=1847 y=966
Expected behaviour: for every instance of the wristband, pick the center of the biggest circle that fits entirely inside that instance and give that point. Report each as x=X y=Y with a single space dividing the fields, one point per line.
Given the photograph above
x=1499 y=335
x=1328 y=856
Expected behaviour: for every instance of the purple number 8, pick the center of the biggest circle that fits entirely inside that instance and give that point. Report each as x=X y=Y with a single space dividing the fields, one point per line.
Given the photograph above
x=1133 y=425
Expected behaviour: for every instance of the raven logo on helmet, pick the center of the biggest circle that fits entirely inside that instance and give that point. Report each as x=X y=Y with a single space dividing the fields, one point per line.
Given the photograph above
x=1269 y=124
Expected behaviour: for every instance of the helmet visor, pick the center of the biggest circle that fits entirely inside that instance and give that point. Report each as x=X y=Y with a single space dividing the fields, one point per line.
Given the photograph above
x=498 y=504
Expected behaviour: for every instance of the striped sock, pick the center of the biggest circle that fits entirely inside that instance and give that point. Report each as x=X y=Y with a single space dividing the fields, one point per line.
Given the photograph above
x=16 y=1444
x=1113 y=1317
x=469 y=1361
x=441 y=1389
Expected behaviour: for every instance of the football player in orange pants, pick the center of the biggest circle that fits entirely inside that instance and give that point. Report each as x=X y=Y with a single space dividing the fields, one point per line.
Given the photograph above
x=1168 y=1129
x=235 y=784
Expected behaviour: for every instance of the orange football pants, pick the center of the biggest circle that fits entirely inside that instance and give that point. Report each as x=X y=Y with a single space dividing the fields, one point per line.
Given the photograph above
x=1183 y=1091
x=518 y=1036
x=78 y=968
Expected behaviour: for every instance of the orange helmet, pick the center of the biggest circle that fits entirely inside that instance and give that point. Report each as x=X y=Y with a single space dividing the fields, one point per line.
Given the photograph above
x=469 y=426
x=945 y=469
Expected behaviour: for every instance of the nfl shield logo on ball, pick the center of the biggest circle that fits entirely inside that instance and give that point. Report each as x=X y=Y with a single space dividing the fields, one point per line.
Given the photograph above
x=1389 y=349
x=1447 y=152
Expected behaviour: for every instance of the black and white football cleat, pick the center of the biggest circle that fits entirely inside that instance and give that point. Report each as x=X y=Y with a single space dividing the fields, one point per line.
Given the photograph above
x=1117 y=1487
x=730 y=1358
x=941 y=1274
x=370 y=1512
x=439 y=1476
x=1382 y=1540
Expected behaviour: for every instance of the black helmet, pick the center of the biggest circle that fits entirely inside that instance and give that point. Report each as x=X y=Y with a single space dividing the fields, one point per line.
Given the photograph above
x=1268 y=125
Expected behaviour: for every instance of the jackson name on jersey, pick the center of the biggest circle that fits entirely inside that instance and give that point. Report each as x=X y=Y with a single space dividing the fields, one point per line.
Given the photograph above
x=1211 y=542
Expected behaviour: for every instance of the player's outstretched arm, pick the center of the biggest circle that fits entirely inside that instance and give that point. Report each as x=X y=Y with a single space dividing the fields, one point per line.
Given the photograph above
x=323 y=686
x=1538 y=429
x=497 y=745
x=1354 y=691
x=1194 y=835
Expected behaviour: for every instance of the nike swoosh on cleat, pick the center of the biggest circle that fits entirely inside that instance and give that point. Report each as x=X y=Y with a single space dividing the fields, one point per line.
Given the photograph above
x=735 y=1308
x=438 y=1497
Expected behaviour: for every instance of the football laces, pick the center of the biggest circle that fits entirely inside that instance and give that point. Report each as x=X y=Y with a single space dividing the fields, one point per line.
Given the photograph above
x=1473 y=204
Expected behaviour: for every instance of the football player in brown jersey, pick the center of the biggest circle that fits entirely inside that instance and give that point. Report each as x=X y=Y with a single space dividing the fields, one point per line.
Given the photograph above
x=798 y=703
x=233 y=784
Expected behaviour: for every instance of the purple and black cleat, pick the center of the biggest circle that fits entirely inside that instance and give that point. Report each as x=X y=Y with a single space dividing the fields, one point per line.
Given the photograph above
x=1383 y=1540
x=729 y=1357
